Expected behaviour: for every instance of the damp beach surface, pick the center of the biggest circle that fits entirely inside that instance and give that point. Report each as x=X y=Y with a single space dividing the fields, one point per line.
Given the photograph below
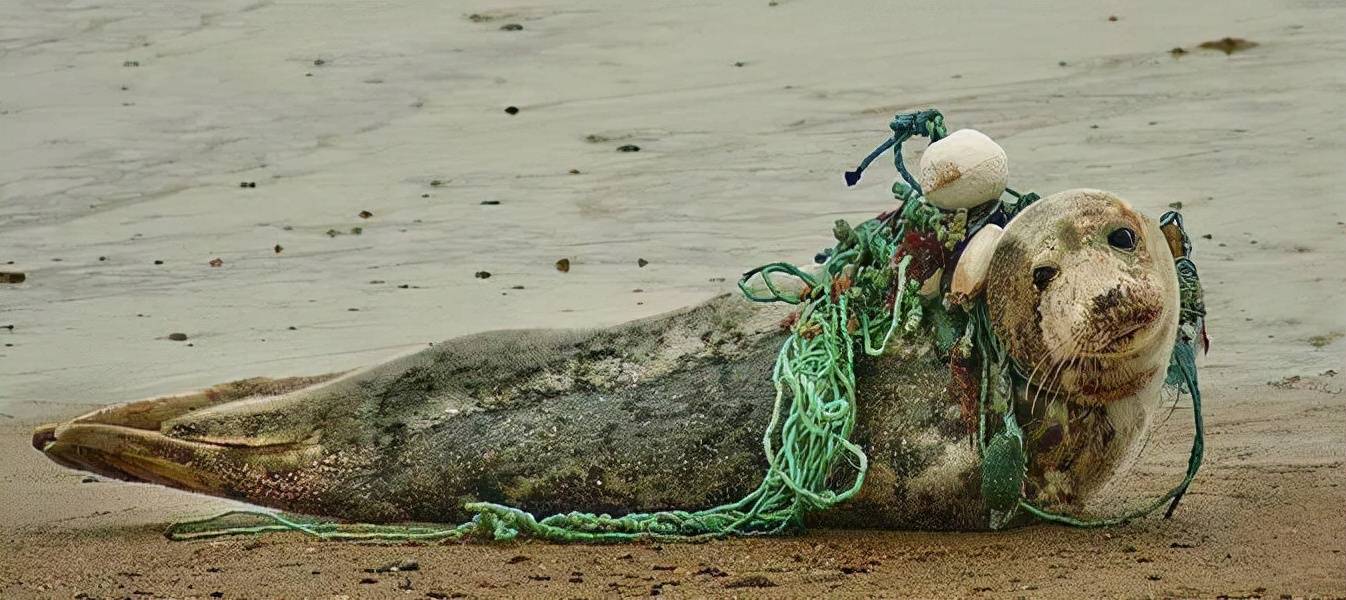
x=295 y=189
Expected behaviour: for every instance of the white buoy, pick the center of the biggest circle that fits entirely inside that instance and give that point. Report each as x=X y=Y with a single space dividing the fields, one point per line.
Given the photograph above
x=963 y=170
x=969 y=276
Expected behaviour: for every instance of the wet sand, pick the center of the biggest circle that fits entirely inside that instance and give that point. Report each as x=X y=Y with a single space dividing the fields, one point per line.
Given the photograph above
x=128 y=133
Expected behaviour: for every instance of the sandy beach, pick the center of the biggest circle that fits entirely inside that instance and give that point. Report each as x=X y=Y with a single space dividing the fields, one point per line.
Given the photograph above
x=351 y=168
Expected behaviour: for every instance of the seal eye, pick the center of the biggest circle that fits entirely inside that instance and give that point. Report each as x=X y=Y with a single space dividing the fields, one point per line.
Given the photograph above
x=1122 y=238
x=1043 y=276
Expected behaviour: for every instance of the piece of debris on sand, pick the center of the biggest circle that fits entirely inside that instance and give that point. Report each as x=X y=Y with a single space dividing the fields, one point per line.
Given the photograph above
x=563 y=265
x=12 y=277
x=1229 y=45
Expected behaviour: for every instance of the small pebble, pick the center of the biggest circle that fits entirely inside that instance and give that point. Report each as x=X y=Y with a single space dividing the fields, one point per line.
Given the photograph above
x=1177 y=51
x=1113 y=18
x=102 y=259
x=364 y=214
x=1061 y=63
x=247 y=184
x=563 y=265
x=640 y=262
x=215 y=262
x=628 y=148
x=178 y=337
x=395 y=567
x=574 y=171
x=1175 y=205
x=436 y=182
x=490 y=202
x=511 y=110
x=158 y=262
x=483 y=274
x=278 y=248
x=511 y=27
x=357 y=230
x=12 y=277
x=319 y=62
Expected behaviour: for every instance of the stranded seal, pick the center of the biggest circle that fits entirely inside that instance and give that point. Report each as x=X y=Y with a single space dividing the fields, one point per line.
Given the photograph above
x=668 y=412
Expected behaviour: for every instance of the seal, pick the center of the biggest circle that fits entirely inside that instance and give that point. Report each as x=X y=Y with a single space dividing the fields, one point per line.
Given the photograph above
x=668 y=412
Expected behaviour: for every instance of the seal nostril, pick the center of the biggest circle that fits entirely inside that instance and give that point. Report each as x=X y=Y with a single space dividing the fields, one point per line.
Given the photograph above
x=1043 y=276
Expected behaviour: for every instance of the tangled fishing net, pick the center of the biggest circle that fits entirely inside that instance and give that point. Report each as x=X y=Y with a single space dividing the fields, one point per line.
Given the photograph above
x=865 y=297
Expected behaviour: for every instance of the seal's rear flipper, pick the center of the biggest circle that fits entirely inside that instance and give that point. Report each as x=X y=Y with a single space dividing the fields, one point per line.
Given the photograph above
x=125 y=441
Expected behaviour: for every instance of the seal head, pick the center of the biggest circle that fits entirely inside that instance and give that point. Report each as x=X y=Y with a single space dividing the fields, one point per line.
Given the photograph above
x=1083 y=292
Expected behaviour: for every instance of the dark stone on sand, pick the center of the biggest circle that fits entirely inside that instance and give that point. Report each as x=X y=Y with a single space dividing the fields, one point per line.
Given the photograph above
x=574 y=171
x=628 y=148
x=1175 y=205
x=364 y=214
x=247 y=184
x=319 y=62
x=396 y=567
x=158 y=262
x=102 y=258
x=511 y=27
x=368 y=581
x=178 y=337
x=512 y=110
x=12 y=277
x=216 y=263
x=563 y=265
x=278 y=248
x=357 y=230
x=1177 y=51
x=483 y=274
x=751 y=581
x=640 y=262
x=516 y=559
x=490 y=202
